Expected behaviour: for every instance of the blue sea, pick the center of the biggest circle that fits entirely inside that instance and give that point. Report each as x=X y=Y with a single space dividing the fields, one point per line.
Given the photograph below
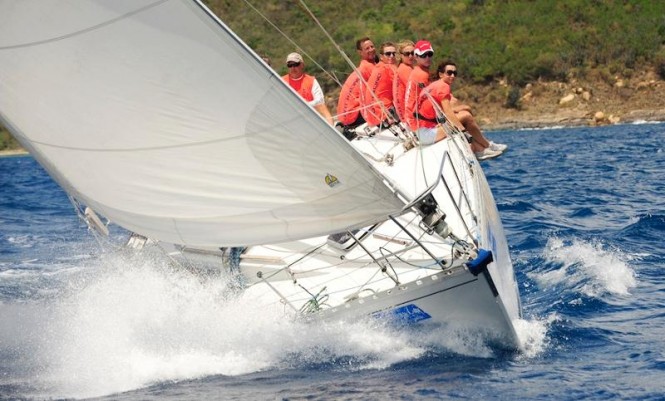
x=584 y=212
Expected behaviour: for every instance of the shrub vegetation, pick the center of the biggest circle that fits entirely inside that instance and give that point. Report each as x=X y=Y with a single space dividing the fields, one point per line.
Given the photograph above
x=6 y=140
x=520 y=41
x=515 y=41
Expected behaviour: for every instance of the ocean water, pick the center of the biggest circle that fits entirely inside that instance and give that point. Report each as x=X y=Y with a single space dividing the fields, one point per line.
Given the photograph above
x=584 y=212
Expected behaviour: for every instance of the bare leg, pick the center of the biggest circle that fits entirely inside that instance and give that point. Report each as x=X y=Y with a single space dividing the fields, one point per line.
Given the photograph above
x=479 y=142
x=440 y=133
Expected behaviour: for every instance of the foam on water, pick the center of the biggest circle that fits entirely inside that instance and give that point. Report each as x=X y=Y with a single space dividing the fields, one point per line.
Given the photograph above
x=125 y=322
x=76 y=325
x=22 y=241
x=646 y=122
x=579 y=268
x=533 y=335
x=137 y=321
x=587 y=267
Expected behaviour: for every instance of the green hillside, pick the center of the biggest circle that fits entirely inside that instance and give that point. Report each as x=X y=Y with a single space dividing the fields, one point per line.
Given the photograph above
x=6 y=140
x=516 y=41
x=520 y=41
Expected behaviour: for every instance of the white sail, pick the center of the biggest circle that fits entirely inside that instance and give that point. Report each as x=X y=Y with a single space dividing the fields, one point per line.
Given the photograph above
x=157 y=116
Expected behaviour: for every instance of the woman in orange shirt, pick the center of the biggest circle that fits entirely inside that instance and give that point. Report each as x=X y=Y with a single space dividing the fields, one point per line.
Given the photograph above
x=405 y=49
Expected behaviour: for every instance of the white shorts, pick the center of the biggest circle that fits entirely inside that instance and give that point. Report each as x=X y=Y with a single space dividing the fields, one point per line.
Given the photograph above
x=427 y=136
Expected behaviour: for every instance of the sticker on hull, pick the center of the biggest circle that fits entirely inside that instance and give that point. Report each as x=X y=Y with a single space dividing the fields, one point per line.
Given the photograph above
x=408 y=314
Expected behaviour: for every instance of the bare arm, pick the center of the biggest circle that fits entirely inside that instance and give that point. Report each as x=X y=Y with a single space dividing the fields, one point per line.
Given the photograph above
x=319 y=103
x=450 y=114
x=323 y=110
x=462 y=107
x=458 y=106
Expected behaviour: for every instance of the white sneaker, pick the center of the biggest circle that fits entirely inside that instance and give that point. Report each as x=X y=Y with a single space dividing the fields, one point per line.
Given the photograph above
x=498 y=147
x=487 y=154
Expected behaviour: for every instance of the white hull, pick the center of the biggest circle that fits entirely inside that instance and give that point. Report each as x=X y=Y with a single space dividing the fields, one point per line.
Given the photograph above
x=319 y=278
x=131 y=107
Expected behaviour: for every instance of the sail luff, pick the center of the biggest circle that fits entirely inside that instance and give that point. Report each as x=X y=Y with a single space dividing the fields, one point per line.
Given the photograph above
x=158 y=117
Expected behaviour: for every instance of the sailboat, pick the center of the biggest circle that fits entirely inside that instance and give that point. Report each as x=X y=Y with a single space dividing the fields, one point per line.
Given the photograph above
x=154 y=116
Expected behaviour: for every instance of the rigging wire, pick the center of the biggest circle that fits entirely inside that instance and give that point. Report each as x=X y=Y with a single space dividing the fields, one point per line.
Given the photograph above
x=339 y=49
x=332 y=40
x=300 y=49
x=344 y=55
x=405 y=136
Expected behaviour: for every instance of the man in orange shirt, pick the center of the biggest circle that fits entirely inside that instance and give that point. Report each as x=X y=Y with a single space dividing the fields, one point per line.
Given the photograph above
x=351 y=98
x=379 y=93
x=418 y=79
x=306 y=85
x=405 y=49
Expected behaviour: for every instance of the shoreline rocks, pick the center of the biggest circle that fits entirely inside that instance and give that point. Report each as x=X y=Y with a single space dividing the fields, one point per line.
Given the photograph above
x=570 y=119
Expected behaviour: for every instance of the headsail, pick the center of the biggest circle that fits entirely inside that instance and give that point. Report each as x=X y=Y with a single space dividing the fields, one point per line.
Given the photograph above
x=157 y=116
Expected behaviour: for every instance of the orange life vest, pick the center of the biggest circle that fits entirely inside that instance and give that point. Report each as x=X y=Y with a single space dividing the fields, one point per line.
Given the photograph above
x=302 y=85
x=399 y=88
x=436 y=91
x=381 y=84
x=352 y=97
x=418 y=79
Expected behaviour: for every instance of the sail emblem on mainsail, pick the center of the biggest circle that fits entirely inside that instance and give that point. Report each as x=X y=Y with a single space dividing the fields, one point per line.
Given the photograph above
x=331 y=180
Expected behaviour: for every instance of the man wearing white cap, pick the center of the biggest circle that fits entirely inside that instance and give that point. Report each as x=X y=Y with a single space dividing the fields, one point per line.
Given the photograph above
x=306 y=85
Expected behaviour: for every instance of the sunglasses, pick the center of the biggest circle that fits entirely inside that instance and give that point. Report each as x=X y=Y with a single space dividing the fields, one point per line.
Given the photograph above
x=390 y=54
x=451 y=72
x=426 y=54
x=291 y=65
x=407 y=54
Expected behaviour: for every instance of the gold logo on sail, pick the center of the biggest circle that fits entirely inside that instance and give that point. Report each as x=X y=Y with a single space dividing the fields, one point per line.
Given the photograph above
x=331 y=180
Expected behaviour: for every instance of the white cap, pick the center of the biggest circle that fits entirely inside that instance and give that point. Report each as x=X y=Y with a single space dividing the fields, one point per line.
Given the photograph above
x=294 y=58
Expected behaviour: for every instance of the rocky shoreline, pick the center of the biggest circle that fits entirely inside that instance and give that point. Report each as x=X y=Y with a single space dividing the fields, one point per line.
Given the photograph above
x=13 y=152
x=593 y=101
x=578 y=102
x=504 y=122
x=521 y=120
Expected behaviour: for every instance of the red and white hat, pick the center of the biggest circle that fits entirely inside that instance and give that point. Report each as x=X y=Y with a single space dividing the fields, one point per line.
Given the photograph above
x=422 y=47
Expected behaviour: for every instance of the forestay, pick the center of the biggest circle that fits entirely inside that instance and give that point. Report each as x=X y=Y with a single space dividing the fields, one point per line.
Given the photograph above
x=158 y=117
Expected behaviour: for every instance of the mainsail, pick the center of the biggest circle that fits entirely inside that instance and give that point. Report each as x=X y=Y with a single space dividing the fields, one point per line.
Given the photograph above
x=157 y=116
